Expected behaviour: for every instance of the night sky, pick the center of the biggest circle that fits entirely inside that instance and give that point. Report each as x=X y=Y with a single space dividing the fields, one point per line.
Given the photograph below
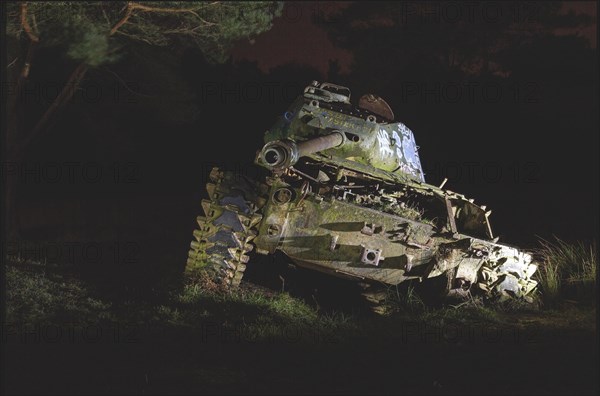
x=296 y=38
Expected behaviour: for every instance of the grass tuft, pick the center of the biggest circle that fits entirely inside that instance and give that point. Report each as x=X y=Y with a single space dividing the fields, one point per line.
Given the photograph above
x=404 y=299
x=567 y=271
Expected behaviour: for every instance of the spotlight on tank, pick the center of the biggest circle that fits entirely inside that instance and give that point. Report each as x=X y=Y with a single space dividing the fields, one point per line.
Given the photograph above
x=346 y=195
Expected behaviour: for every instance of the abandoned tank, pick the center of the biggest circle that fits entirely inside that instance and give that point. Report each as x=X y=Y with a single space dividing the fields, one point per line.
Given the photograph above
x=346 y=195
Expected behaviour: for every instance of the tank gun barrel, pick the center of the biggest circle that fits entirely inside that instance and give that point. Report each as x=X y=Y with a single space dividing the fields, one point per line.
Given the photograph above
x=281 y=154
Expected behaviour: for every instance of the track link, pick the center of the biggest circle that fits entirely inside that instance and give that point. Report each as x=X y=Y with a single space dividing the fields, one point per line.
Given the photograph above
x=374 y=296
x=223 y=238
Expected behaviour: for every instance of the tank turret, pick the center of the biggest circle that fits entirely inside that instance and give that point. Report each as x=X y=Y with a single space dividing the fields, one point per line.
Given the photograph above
x=368 y=138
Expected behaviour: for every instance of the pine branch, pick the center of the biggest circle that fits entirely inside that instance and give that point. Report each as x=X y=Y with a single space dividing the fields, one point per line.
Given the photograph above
x=25 y=24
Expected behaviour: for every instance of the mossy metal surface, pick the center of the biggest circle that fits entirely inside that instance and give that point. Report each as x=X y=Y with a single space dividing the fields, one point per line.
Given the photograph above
x=347 y=196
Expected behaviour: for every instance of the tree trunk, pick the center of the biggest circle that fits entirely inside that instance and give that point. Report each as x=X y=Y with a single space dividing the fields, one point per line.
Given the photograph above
x=16 y=144
x=15 y=128
x=65 y=95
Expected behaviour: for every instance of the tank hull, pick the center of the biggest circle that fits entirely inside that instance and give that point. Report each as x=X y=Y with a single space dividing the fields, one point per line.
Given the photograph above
x=346 y=195
x=338 y=237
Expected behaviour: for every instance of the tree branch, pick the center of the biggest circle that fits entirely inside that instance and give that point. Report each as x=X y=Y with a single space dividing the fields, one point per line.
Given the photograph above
x=63 y=97
x=146 y=8
x=25 y=23
x=131 y=6
x=123 y=20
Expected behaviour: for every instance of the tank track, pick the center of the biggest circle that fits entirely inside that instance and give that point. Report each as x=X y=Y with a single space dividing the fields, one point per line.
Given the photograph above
x=374 y=297
x=223 y=238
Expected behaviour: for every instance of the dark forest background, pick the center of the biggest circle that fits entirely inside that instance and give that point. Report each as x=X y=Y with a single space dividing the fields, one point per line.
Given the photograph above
x=119 y=110
x=507 y=111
